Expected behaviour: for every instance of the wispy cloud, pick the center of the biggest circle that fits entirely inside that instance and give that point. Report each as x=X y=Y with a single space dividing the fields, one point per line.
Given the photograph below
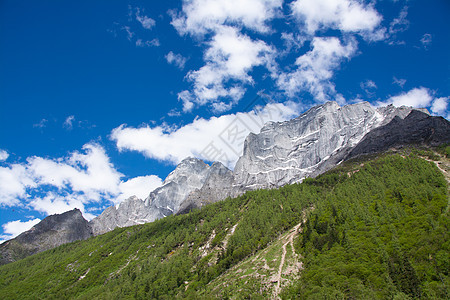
x=129 y=33
x=369 y=87
x=399 y=24
x=152 y=43
x=426 y=40
x=42 y=124
x=68 y=123
x=400 y=82
x=146 y=22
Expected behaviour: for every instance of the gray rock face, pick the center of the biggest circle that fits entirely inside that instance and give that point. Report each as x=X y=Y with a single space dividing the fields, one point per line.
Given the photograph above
x=217 y=186
x=287 y=152
x=192 y=175
x=51 y=232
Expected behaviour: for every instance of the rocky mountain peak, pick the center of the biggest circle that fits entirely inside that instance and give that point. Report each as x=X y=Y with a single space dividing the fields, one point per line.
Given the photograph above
x=51 y=232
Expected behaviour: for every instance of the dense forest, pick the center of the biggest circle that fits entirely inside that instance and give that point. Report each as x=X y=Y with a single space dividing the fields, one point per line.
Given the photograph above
x=375 y=228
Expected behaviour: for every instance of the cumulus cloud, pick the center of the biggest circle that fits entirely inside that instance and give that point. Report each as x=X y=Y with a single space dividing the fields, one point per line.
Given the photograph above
x=218 y=138
x=230 y=54
x=176 y=59
x=200 y=17
x=14 y=181
x=439 y=106
x=345 y=15
x=14 y=228
x=3 y=155
x=417 y=97
x=230 y=57
x=316 y=67
x=57 y=185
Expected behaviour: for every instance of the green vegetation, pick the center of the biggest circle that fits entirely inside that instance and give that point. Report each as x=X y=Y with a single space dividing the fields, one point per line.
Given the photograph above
x=376 y=230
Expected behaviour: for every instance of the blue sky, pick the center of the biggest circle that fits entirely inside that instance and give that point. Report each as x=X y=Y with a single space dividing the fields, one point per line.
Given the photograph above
x=99 y=100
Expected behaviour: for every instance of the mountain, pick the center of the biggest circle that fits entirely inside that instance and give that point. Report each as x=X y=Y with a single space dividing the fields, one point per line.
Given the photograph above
x=282 y=153
x=375 y=225
x=191 y=175
x=316 y=141
x=51 y=232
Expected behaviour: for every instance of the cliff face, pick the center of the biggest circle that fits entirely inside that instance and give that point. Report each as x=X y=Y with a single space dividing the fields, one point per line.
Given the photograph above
x=287 y=152
x=51 y=232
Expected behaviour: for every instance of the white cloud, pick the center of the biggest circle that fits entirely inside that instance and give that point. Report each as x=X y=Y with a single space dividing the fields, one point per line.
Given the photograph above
x=401 y=23
x=14 y=228
x=202 y=16
x=368 y=86
x=130 y=34
x=3 y=155
x=176 y=59
x=153 y=43
x=42 y=123
x=200 y=138
x=344 y=15
x=90 y=173
x=57 y=203
x=230 y=57
x=439 y=105
x=140 y=186
x=417 y=97
x=146 y=22
x=426 y=40
x=316 y=67
x=14 y=181
x=400 y=82
x=68 y=123
x=57 y=185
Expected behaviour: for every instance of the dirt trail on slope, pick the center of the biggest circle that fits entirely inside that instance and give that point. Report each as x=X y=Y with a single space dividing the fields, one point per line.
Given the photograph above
x=290 y=240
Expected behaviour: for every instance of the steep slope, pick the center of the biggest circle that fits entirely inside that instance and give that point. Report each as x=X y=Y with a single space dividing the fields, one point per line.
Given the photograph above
x=417 y=128
x=51 y=232
x=366 y=213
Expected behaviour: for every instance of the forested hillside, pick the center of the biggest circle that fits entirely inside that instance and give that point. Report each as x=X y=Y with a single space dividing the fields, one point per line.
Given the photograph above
x=374 y=228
